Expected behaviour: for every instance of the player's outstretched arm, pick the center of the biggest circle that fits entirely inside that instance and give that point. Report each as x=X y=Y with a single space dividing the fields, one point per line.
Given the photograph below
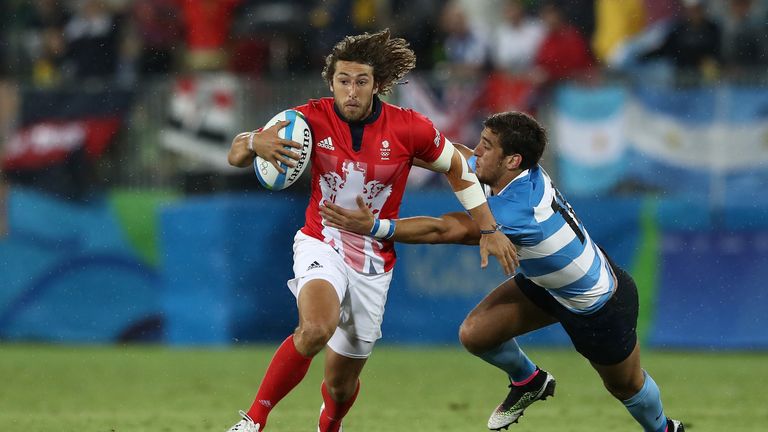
x=467 y=188
x=449 y=228
x=461 y=148
x=266 y=144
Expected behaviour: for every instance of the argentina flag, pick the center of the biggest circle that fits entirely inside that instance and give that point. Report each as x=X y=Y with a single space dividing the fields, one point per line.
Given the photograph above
x=698 y=142
x=589 y=136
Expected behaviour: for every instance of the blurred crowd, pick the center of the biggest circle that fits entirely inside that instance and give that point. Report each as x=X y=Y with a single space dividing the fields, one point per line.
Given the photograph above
x=49 y=42
x=474 y=57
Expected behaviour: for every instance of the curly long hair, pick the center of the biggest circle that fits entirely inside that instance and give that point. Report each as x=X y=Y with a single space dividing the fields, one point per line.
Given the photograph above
x=391 y=58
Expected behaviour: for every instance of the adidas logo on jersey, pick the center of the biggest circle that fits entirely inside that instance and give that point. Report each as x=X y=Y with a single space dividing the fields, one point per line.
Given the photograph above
x=326 y=143
x=314 y=265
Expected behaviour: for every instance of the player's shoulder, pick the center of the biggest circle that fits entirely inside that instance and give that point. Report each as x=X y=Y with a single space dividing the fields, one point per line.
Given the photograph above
x=418 y=129
x=511 y=215
x=404 y=114
x=538 y=174
x=513 y=201
x=536 y=186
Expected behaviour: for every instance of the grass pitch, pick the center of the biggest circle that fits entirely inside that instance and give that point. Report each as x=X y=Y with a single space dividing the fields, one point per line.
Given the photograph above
x=137 y=388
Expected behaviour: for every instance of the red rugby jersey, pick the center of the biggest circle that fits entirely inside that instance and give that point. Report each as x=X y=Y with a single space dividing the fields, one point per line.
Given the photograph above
x=391 y=138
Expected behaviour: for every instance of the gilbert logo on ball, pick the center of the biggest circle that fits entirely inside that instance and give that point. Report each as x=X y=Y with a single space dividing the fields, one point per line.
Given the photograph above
x=298 y=130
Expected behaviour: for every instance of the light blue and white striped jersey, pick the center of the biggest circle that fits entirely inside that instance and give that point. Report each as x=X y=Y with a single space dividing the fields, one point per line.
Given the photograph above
x=554 y=248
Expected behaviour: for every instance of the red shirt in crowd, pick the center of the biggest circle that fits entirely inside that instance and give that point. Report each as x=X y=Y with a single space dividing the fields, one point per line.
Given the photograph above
x=207 y=22
x=563 y=53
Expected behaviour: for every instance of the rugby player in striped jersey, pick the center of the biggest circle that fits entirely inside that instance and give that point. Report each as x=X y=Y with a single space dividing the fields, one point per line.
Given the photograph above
x=563 y=277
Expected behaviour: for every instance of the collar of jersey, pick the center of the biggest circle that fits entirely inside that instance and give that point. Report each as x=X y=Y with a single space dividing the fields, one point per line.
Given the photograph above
x=519 y=177
x=375 y=113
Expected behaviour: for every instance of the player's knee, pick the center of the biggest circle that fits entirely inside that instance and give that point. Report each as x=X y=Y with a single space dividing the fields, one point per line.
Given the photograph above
x=310 y=338
x=341 y=390
x=623 y=389
x=471 y=338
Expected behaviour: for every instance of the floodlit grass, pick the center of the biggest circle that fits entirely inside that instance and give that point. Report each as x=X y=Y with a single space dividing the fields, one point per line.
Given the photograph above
x=137 y=388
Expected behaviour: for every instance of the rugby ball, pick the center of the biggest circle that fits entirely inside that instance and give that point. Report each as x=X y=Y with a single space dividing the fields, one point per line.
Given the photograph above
x=298 y=130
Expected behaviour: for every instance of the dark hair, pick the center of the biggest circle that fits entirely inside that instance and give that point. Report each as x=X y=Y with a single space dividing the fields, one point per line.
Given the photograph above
x=391 y=58
x=519 y=133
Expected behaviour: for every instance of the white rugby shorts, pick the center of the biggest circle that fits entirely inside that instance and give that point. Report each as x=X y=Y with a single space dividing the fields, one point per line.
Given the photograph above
x=362 y=297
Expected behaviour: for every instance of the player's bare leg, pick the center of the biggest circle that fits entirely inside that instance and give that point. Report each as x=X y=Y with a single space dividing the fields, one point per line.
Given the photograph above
x=630 y=384
x=503 y=314
x=340 y=387
x=489 y=332
x=319 y=310
x=625 y=379
x=319 y=307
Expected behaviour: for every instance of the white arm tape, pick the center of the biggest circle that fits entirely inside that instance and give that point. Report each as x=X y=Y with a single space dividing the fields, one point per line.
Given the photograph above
x=443 y=162
x=472 y=196
x=466 y=174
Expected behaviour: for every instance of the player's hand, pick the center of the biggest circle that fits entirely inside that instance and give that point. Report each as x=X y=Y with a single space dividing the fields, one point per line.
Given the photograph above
x=273 y=149
x=239 y=155
x=498 y=245
x=358 y=221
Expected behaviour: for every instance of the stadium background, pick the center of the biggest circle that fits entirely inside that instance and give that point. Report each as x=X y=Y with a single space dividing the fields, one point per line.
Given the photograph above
x=120 y=222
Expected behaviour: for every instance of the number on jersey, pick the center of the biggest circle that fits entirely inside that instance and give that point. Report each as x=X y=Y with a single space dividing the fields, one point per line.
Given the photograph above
x=560 y=205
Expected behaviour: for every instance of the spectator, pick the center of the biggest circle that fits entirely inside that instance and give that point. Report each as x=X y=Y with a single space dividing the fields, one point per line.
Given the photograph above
x=564 y=52
x=5 y=33
x=464 y=47
x=272 y=36
x=415 y=21
x=46 y=68
x=659 y=11
x=157 y=24
x=92 y=40
x=42 y=30
x=517 y=39
x=581 y=14
x=3 y=207
x=693 y=44
x=617 y=21
x=207 y=26
x=743 y=37
x=9 y=108
x=334 y=19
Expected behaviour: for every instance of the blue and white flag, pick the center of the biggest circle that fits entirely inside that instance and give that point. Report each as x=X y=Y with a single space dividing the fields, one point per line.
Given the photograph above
x=700 y=141
x=589 y=132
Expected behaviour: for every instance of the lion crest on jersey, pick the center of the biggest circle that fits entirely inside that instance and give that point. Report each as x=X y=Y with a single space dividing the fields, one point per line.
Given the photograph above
x=360 y=252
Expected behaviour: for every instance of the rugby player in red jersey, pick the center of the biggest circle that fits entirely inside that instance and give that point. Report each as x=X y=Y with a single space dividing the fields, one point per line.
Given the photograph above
x=362 y=146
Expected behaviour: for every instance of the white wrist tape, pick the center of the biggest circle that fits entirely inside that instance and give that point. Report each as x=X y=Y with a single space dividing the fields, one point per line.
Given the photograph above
x=471 y=197
x=250 y=141
x=383 y=229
